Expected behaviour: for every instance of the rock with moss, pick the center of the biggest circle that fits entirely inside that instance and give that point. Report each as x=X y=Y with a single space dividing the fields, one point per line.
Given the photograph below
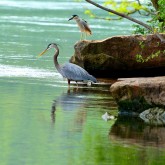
x=139 y=94
x=121 y=56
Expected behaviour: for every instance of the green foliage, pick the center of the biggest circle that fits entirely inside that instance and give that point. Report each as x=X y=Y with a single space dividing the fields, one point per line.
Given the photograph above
x=89 y=12
x=161 y=4
x=139 y=57
x=139 y=30
x=127 y=7
x=155 y=24
x=157 y=21
x=124 y=6
x=142 y=45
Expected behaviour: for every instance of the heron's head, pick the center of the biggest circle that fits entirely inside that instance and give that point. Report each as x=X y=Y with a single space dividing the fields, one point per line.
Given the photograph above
x=52 y=45
x=74 y=17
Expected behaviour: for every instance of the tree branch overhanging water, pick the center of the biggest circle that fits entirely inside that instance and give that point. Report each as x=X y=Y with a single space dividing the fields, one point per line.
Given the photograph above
x=127 y=17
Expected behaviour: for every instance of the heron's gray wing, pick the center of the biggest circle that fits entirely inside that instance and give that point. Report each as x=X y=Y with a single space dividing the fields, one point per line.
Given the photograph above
x=76 y=73
x=73 y=72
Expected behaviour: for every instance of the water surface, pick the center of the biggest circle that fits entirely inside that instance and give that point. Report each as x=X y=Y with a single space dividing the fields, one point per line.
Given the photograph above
x=41 y=120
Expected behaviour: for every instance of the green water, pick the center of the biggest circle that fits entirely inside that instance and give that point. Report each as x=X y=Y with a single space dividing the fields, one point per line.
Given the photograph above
x=41 y=121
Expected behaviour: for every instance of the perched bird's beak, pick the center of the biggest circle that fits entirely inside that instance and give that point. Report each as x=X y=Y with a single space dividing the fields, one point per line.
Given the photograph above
x=42 y=52
x=70 y=18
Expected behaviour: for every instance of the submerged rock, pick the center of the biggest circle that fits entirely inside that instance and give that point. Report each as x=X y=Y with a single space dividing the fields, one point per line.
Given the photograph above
x=139 y=94
x=154 y=116
x=117 y=56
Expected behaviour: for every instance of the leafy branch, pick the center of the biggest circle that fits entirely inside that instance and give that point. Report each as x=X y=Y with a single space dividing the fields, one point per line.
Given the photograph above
x=127 y=17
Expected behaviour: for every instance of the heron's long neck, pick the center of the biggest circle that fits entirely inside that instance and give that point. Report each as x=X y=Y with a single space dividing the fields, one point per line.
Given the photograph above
x=55 y=59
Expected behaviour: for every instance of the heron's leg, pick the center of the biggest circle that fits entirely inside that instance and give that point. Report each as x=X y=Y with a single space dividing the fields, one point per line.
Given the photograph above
x=77 y=86
x=76 y=83
x=81 y=36
x=69 y=83
x=85 y=35
x=53 y=115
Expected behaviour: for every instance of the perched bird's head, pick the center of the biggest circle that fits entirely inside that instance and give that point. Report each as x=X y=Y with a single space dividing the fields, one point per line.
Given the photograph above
x=74 y=17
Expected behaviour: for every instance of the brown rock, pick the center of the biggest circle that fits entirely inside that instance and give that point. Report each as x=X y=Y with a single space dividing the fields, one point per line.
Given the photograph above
x=117 y=56
x=138 y=94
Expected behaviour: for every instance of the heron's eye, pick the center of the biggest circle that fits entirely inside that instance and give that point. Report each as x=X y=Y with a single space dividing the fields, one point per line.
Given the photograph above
x=49 y=46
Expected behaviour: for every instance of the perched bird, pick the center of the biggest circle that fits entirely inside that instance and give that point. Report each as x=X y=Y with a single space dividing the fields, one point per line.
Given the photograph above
x=83 y=25
x=69 y=70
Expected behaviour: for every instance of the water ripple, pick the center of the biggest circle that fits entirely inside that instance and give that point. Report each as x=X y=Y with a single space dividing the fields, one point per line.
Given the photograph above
x=18 y=71
x=43 y=5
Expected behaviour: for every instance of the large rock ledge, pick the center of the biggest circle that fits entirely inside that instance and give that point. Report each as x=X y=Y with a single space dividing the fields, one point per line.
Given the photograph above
x=139 y=94
x=116 y=56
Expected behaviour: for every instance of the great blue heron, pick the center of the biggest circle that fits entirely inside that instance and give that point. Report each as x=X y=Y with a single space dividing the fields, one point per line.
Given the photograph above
x=69 y=70
x=83 y=25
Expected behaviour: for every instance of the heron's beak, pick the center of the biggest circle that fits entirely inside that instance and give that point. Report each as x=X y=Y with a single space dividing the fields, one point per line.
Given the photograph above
x=42 y=52
x=70 y=18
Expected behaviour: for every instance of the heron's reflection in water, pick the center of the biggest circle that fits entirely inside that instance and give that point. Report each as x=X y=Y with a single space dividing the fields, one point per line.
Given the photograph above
x=53 y=110
x=76 y=106
x=72 y=100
